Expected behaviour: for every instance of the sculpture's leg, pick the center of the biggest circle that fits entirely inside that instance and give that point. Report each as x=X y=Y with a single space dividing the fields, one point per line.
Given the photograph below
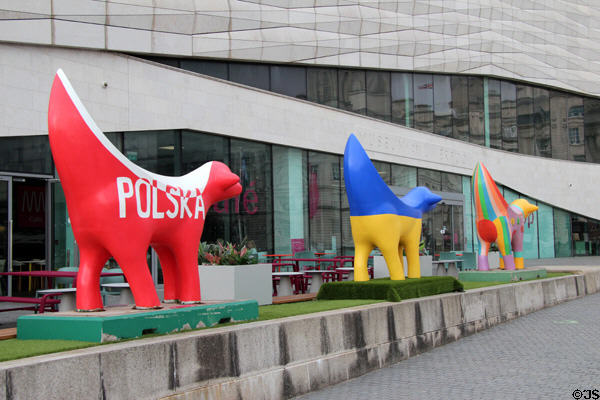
x=517 y=245
x=168 y=266
x=135 y=268
x=361 y=258
x=501 y=262
x=186 y=273
x=482 y=257
x=92 y=259
x=486 y=234
x=392 y=259
x=503 y=241
x=411 y=243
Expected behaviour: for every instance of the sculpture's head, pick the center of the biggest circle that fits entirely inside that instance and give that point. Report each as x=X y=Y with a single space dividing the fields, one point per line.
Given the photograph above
x=224 y=184
x=525 y=206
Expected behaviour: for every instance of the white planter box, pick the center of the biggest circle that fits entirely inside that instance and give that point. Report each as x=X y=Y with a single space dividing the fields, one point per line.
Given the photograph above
x=494 y=259
x=380 y=269
x=236 y=282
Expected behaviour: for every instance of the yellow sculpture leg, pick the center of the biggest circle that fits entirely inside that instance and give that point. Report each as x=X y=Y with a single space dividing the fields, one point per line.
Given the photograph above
x=390 y=233
x=519 y=264
x=501 y=263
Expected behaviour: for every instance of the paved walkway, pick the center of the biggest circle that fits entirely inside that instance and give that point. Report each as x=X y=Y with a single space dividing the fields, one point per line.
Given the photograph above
x=545 y=355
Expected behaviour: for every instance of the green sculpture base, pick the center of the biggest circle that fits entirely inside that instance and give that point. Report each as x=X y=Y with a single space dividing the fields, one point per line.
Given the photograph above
x=500 y=275
x=124 y=322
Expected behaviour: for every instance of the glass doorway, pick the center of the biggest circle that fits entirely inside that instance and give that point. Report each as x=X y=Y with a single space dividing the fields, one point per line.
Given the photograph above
x=5 y=233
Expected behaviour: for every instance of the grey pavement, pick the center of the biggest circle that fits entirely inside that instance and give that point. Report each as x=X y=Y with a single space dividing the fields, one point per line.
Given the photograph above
x=545 y=355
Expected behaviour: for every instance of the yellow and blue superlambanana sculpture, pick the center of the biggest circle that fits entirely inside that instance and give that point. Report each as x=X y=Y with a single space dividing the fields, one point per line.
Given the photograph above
x=380 y=219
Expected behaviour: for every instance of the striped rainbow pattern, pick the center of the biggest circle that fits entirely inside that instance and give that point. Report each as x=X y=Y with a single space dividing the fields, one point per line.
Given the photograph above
x=489 y=203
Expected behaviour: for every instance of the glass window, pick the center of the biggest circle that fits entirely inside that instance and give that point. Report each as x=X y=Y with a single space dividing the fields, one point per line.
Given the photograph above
x=442 y=105
x=255 y=75
x=476 y=111
x=530 y=236
x=384 y=171
x=575 y=124
x=423 y=91
x=290 y=81
x=558 y=124
x=251 y=212
x=116 y=138
x=469 y=212
x=347 y=240
x=494 y=114
x=402 y=98
x=457 y=234
x=592 y=129
x=26 y=154
x=324 y=183
x=579 y=234
x=460 y=107
x=525 y=119
x=451 y=183
x=322 y=86
x=546 y=230
x=290 y=198
x=404 y=176
x=594 y=237
x=217 y=69
x=197 y=149
x=153 y=150
x=378 y=95
x=541 y=122
x=352 y=88
x=508 y=94
x=562 y=233
x=430 y=178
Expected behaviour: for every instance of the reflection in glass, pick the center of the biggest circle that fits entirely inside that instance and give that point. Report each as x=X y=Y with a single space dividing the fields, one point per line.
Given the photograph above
x=423 y=91
x=430 y=178
x=324 y=178
x=546 y=230
x=290 y=81
x=322 y=84
x=402 y=98
x=592 y=129
x=458 y=238
x=530 y=236
x=153 y=150
x=579 y=234
x=251 y=212
x=26 y=154
x=562 y=233
x=460 y=107
x=541 y=122
x=3 y=234
x=509 y=116
x=575 y=126
x=469 y=235
x=476 y=111
x=404 y=176
x=353 y=93
x=525 y=119
x=451 y=183
x=217 y=69
x=494 y=114
x=378 y=95
x=255 y=75
x=442 y=105
x=384 y=171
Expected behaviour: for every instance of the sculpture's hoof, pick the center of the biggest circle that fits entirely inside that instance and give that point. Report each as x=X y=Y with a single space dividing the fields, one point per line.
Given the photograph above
x=147 y=308
x=91 y=310
x=191 y=302
x=170 y=301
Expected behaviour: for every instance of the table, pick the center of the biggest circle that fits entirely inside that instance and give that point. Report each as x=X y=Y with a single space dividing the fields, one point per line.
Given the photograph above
x=54 y=274
x=348 y=270
x=285 y=282
x=316 y=279
x=277 y=257
x=67 y=300
x=444 y=269
x=125 y=295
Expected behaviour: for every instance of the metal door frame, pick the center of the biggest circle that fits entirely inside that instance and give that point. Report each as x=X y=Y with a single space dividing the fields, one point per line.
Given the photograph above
x=8 y=180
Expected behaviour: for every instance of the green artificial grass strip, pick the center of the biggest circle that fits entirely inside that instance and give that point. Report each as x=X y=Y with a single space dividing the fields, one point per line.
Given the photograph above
x=477 y=285
x=12 y=349
x=386 y=289
x=307 y=307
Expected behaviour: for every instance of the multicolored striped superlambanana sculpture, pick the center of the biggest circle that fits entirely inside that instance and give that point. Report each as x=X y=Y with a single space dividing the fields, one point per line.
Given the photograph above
x=380 y=219
x=498 y=222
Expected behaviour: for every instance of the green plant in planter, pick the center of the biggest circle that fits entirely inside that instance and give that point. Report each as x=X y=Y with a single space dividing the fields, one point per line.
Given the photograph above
x=226 y=253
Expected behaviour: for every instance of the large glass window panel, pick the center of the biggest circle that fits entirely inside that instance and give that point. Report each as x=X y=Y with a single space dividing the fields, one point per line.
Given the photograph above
x=442 y=105
x=324 y=183
x=460 y=107
x=470 y=237
x=508 y=94
x=26 y=154
x=353 y=93
x=116 y=138
x=217 y=69
x=347 y=240
x=4 y=226
x=290 y=198
x=592 y=129
x=378 y=95
x=546 y=230
x=525 y=128
x=322 y=86
x=562 y=233
x=476 y=111
x=558 y=124
x=402 y=98
x=252 y=211
x=541 y=122
x=423 y=91
x=593 y=237
x=579 y=234
x=575 y=128
x=530 y=236
x=384 y=171
x=451 y=183
x=430 y=178
x=255 y=75
x=404 y=176
x=197 y=149
x=153 y=150
x=458 y=238
x=290 y=81
x=494 y=114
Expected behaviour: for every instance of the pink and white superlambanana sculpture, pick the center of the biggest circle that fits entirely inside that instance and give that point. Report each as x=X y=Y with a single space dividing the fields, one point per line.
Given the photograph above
x=119 y=209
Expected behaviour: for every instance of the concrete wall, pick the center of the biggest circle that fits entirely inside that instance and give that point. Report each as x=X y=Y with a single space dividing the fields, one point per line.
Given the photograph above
x=142 y=95
x=280 y=358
